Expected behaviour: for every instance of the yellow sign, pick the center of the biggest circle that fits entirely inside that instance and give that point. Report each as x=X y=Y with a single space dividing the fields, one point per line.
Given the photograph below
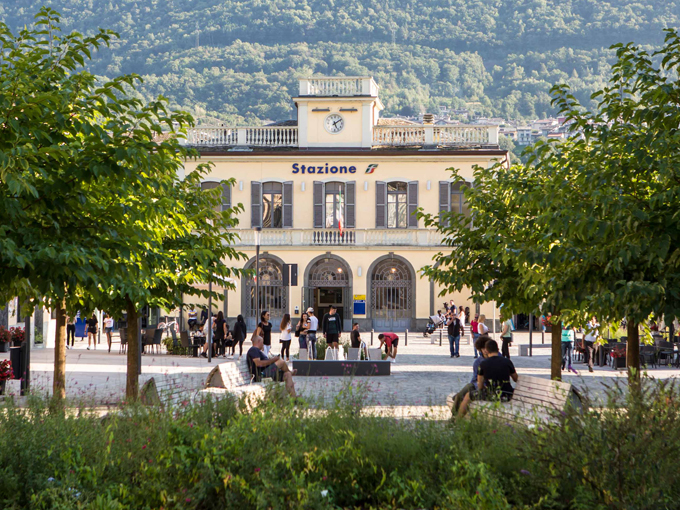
x=359 y=297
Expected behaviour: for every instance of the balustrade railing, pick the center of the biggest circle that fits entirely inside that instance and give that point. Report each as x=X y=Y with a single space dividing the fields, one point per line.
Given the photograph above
x=333 y=237
x=338 y=86
x=398 y=135
x=383 y=136
x=271 y=136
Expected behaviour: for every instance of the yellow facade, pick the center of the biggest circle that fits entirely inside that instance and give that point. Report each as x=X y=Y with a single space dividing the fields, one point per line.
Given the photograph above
x=369 y=191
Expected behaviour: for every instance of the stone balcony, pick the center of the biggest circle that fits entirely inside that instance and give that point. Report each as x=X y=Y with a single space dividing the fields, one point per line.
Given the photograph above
x=421 y=237
x=340 y=86
x=418 y=135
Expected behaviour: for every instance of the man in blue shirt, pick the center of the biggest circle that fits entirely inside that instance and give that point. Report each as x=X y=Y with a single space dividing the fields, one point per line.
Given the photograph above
x=480 y=344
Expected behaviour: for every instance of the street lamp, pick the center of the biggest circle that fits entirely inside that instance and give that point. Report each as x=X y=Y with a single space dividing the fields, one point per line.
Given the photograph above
x=258 y=236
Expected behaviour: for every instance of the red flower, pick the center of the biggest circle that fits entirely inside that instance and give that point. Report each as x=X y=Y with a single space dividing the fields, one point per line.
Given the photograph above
x=257 y=470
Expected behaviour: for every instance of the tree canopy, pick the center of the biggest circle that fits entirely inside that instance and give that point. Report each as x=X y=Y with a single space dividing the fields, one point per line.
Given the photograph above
x=590 y=225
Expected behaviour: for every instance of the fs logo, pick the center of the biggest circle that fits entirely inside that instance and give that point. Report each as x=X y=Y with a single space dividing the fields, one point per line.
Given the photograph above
x=371 y=169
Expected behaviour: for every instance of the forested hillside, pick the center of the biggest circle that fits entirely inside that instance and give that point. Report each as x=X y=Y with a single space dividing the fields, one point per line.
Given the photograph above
x=239 y=60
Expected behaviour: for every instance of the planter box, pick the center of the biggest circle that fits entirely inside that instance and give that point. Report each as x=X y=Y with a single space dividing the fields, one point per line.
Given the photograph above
x=341 y=367
x=4 y=346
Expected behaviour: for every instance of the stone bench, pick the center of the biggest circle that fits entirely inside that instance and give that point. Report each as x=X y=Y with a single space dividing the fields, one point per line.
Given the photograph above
x=534 y=399
x=233 y=378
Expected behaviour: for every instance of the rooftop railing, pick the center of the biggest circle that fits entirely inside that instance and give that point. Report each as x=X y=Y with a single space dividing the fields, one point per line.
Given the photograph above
x=419 y=135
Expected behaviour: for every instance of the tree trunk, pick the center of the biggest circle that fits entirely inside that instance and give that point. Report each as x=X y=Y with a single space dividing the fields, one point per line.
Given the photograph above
x=132 y=387
x=59 y=381
x=556 y=355
x=633 y=353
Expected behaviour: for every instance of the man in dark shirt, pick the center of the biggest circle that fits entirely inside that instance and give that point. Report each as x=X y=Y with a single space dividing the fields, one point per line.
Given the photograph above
x=262 y=366
x=455 y=329
x=332 y=327
x=493 y=378
x=355 y=337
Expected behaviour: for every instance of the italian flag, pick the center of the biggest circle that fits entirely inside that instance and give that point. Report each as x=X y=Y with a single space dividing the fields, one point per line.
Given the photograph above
x=341 y=208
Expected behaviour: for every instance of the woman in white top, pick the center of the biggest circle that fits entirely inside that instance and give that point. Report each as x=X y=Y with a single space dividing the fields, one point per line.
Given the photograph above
x=481 y=326
x=108 y=328
x=285 y=337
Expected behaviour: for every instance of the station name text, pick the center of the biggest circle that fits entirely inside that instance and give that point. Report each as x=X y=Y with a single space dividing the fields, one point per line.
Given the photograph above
x=323 y=169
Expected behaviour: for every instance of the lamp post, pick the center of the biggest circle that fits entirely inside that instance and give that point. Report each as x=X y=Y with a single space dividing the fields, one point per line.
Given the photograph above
x=258 y=236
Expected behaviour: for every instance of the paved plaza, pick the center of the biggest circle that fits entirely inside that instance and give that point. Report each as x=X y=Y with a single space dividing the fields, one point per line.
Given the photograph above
x=421 y=379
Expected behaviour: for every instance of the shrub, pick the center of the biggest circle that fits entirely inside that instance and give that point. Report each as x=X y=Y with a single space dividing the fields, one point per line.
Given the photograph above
x=220 y=455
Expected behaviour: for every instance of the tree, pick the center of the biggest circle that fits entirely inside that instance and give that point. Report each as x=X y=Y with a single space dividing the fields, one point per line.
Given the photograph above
x=589 y=225
x=90 y=196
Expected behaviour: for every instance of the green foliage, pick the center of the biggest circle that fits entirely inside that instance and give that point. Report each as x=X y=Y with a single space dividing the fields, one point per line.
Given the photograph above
x=589 y=225
x=219 y=455
x=505 y=55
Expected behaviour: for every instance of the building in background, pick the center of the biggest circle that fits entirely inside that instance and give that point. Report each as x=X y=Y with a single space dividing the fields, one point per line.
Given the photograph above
x=334 y=192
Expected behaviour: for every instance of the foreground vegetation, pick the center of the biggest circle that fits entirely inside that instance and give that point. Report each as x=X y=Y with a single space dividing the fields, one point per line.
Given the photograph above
x=217 y=455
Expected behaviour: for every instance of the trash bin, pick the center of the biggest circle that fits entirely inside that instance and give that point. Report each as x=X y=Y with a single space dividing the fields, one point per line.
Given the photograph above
x=15 y=359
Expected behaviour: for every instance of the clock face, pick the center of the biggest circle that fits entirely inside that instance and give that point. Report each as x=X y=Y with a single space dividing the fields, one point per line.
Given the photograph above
x=334 y=123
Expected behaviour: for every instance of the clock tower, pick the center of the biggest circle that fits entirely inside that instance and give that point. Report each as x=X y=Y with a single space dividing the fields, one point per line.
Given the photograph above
x=337 y=112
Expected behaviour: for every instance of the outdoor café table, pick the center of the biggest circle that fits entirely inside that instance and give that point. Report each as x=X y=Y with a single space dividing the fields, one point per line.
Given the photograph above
x=670 y=353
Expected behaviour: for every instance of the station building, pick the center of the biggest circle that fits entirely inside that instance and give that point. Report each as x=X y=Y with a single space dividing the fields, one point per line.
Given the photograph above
x=333 y=192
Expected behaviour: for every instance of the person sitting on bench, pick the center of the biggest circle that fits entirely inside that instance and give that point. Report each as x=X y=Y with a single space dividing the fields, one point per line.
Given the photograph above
x=493 y=378
x=261 y=366
x=480 y=346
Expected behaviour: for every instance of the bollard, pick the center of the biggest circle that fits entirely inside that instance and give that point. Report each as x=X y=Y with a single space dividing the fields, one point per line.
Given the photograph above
x=406 y=338
x=372 y=331
x=440 y=337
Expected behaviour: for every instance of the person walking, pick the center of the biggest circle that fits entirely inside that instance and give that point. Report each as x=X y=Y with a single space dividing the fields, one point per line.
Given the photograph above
x=311 y=333
x=70 y=331
x=332 y=327
x=301 y=330
x=264 y=330
x=220 y=328
x=239 y=334
x=108 y=329
x=506 y=337
x=592 y=333
x=285 y=337
x=567 y=347
x=462 y=316
x=455 y=329
x=475 y=334
x=92 y=331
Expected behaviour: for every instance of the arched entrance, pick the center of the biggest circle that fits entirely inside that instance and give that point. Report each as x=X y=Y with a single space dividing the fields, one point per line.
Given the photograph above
x=392 y=294
x=273 y=294
x=328 y=281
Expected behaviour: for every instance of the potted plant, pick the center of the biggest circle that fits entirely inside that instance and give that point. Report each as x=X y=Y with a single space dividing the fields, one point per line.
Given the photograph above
x=5 y=338
x=5 y=373
x=17 y=336
x=39 y=340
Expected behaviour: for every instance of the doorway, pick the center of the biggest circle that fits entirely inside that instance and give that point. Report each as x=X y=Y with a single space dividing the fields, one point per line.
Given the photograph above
x=328 y=282
x=324 y=297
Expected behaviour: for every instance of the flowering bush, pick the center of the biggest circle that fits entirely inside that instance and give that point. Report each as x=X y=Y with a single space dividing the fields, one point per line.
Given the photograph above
x=6 y=370
x=5 y=335
x=17 y=335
